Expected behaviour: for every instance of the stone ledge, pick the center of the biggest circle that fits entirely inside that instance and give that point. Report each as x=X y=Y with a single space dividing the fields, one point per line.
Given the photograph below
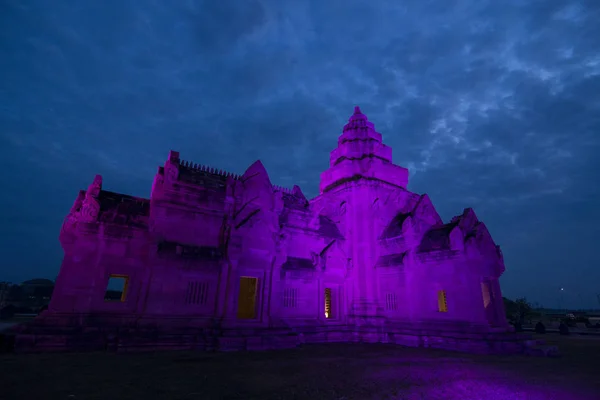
x=113 y=337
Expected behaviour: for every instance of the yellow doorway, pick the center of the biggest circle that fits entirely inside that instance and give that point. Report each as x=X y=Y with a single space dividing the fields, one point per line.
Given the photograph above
x=247 y=297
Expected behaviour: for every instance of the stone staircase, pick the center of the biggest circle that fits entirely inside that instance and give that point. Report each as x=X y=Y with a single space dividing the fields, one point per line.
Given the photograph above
x=100 y=334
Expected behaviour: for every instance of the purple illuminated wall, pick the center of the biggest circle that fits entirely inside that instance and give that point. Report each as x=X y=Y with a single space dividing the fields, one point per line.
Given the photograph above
x=210 y=244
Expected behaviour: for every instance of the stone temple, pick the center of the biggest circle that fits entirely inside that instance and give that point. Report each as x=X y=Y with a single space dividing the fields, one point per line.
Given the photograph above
x=215 y=260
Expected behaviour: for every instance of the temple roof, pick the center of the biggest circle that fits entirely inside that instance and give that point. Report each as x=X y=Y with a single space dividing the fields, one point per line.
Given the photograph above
x=437 y=238
x=394 y=229
x=294 y=201
x=203 y=176
x=124 y=202
x=123 y=209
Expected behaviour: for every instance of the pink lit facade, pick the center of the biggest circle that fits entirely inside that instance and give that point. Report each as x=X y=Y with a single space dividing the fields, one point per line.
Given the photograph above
x=365 y=260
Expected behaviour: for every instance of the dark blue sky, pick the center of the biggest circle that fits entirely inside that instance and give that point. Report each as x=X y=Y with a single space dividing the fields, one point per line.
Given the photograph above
x=490 y=104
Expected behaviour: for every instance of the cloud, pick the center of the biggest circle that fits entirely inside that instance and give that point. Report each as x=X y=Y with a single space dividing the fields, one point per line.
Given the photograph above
x=492 y=105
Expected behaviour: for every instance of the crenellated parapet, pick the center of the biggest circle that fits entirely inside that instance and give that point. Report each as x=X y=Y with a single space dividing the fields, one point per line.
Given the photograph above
x=194 y=168
x=183 y=172
x=178 y=171
x=283 y=189
x=233 y=210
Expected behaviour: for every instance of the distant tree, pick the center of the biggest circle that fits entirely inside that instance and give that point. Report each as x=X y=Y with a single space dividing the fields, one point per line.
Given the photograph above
x=43 y=292
x=524 y=309
x=518 y=310
x=15 y=293
x=510 y=307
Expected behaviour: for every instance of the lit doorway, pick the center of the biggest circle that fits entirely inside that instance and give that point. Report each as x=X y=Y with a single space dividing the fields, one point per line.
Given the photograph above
x=328 y=304
x=247 y=297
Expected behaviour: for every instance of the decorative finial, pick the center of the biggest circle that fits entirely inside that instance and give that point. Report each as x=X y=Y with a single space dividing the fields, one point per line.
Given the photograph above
x=357 y=110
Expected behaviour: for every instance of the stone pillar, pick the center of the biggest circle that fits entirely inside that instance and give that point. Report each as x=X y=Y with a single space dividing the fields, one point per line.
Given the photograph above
x=223 y=294
x=230 y=293
x=361 y=225
x=264 y=294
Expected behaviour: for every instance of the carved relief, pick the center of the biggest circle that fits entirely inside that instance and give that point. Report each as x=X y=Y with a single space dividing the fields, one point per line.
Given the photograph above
x=342 y=211
x=77 y=204
x=90 y=210
x=171 y=172
x=70 y=221
x=95 y=187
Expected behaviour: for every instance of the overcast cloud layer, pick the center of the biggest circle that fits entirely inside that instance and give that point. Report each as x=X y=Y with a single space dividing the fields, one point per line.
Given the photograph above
x=490 y=104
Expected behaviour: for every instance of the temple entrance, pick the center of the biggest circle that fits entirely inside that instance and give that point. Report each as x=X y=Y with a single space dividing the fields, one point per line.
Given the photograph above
x=247 y=297
x=442 y=301
x=328 y=309
x=488 y=302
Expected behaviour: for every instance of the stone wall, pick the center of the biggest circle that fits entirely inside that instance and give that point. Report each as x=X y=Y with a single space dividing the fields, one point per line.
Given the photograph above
x=211 y=245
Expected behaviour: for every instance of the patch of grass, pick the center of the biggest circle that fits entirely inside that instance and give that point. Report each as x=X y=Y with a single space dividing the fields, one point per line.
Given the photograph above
x=329 y=371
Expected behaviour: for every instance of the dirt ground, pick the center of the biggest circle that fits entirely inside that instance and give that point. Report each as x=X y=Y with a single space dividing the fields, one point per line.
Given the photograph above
x=333 y=371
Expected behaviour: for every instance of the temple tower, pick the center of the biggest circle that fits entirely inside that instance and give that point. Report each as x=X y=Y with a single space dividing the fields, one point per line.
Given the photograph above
x=360 y=167
x=360 y=154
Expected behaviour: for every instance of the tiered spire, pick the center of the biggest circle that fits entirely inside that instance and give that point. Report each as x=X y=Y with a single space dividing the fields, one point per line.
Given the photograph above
x=360 y=148
x=359 y=127
x=357 y=120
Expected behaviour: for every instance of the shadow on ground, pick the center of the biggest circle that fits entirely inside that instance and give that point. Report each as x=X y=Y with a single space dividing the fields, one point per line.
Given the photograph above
x=329 y=371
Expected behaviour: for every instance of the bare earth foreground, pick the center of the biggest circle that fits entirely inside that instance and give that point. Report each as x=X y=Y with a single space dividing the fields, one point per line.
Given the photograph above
x=331 y=371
